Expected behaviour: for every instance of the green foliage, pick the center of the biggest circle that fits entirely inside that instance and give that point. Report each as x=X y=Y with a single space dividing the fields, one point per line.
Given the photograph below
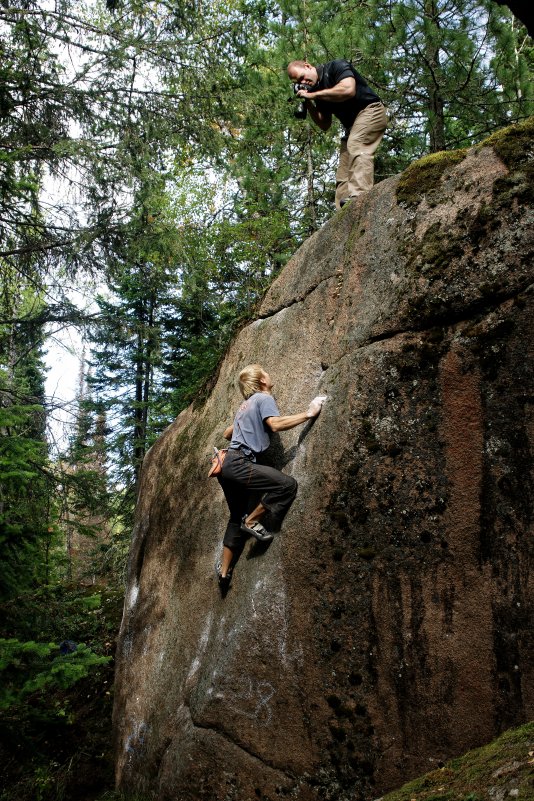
x=30 y=667
x=60 y=612
x=55 y=734
x=28 y=512
x=42 y=708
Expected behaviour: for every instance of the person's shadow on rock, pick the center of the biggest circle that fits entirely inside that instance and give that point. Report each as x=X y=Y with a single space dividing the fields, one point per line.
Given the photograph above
x=258 y=548
x=276 y=456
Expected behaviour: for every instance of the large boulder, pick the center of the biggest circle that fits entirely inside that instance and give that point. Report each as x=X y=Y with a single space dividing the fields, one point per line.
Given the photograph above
x=387 y=627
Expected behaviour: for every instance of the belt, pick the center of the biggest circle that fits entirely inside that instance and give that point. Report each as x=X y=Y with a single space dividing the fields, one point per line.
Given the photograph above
x=246 y=452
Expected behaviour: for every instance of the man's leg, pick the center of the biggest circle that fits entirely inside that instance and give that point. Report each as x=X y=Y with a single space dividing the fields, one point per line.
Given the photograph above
x=364 y=138
x=240 y=478
x=228 y=555
x=256 y=514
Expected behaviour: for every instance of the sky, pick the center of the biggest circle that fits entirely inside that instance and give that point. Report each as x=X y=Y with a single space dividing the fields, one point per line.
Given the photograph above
x=65 y=352
x=63 y=360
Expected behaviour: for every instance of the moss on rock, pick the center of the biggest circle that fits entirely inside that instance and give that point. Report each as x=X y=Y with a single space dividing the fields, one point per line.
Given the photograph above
x=424 y=175
x=504 y=768
x=442 y=246
x=514 y=144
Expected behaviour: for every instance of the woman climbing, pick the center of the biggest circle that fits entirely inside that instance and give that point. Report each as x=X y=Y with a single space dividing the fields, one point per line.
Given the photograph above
x=241 y=475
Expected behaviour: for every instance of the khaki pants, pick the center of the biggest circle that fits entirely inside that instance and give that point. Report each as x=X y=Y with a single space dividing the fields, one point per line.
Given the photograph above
x=355 y=173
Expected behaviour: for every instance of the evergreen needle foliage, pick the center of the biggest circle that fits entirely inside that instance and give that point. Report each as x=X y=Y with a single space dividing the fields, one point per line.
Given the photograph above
x=30 y=667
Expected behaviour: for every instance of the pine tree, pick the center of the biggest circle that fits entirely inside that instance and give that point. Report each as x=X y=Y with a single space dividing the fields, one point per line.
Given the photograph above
x=86 y=515
x=28 y=513
x=127 y=335
x=86 y=95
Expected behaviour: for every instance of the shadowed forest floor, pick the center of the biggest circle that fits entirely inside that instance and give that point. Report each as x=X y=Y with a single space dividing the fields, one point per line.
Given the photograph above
x=56 y=745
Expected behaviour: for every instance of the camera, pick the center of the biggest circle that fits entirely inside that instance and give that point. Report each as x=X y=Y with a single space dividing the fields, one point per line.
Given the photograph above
x=301 y=112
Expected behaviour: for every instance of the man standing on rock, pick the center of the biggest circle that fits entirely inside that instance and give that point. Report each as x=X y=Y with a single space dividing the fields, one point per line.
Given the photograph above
x=241 y=474
x=337 y=89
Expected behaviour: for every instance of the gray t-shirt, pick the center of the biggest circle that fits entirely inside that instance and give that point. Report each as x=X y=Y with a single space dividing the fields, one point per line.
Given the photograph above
x=249 y=423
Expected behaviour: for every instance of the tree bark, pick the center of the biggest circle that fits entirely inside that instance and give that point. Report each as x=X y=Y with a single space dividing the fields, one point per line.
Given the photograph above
x=436 y=117
x=310 y=206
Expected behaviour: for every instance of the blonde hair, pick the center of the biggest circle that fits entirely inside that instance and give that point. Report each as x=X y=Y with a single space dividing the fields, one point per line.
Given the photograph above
x=249 y=379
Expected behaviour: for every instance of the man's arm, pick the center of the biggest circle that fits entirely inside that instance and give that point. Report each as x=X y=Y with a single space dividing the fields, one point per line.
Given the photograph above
x=344 y=90
x=320 y=118
x=228 y=432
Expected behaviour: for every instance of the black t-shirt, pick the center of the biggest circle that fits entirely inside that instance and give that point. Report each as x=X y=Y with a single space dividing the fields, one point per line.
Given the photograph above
x=331 y=74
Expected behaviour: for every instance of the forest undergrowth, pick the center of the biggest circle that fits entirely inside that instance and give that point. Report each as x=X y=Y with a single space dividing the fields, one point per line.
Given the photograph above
x=55 y=708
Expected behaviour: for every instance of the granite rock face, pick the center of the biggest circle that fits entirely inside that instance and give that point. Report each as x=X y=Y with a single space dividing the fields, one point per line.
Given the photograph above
x=387 y=627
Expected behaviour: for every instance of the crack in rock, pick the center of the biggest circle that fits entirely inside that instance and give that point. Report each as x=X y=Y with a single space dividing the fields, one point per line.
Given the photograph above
x=296 y=300
x=229 y=739
x=469 y=313
x=433 y=322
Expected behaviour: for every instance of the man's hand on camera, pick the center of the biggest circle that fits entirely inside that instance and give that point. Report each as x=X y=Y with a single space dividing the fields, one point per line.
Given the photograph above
x=301 y=90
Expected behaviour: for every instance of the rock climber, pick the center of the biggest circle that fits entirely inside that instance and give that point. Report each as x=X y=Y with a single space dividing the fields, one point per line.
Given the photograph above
x=242 y=477
x=335 y=88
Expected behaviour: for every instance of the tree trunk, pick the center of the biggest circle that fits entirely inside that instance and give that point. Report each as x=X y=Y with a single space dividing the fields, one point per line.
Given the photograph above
x=310 y=206
x=139 y=450
x=436 y=116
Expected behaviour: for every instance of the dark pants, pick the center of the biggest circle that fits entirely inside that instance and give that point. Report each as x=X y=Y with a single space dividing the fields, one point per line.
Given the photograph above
x=245 y=484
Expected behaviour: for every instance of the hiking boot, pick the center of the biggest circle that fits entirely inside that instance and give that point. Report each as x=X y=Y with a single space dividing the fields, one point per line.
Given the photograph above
x=256 y=530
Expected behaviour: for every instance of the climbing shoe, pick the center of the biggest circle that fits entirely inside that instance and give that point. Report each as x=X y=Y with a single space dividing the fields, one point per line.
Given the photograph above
x=224 y=581
x=256 y=530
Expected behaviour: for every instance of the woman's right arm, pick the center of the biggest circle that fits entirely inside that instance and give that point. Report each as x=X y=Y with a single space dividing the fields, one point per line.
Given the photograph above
x=292 y=420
